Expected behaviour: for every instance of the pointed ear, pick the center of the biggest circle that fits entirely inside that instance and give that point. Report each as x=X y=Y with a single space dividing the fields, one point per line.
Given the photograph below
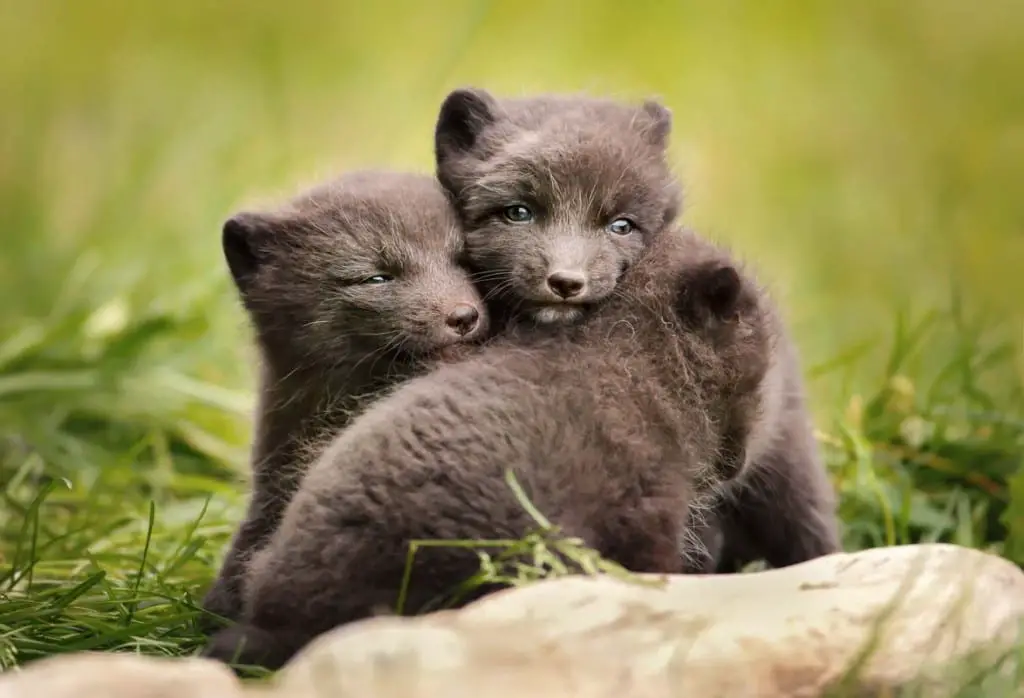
x=710 y=289
x=657 y=123
x=464 y=114
x=721 y=291
x=243 y=238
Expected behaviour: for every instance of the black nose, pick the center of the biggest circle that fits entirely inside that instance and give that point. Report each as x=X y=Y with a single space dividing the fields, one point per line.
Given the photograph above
x=463 y=318
x=567 y=283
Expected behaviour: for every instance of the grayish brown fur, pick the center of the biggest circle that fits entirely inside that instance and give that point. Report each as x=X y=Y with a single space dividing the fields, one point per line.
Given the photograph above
x=777 y=505
x=329 y=339
x=607 y=168
x=612 y=427
x=781 y=507
x=579 y=164
x=582 y=162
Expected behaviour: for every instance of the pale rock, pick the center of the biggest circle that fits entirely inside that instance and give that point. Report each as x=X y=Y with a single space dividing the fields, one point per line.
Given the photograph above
x=912 y=614
x=779 y=633
x=115 y=675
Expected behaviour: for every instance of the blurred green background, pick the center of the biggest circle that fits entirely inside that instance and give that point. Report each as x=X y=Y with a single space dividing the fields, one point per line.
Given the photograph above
x=867 y=157
x=864 y=156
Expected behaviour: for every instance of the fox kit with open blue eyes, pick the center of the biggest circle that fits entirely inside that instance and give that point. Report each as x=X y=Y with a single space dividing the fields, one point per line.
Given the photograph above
x=557 y=195
x=349 y=288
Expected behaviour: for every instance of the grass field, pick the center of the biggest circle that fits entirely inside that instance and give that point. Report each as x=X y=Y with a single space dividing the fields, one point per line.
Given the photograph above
x=867 y=157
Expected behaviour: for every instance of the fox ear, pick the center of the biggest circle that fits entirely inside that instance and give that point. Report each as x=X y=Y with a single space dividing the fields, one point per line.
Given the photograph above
x=657 y=123
x=244 y=239
x=710 y=289
x=464 y=114
x=721 y=291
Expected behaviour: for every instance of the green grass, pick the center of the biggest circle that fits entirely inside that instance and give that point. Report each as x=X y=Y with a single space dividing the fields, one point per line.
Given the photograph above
x=867 y=158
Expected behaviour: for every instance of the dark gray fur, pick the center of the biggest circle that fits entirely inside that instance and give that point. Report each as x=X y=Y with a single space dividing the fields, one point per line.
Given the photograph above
x=582 y=162
x=579 y=163
x=327 y=339
x=781 y=508
x=576 y=173
x=611 y=427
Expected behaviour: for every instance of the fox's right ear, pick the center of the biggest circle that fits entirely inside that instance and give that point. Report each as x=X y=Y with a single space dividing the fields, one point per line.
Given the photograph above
x=244 y=239
x=464 y=114
x=657 y=123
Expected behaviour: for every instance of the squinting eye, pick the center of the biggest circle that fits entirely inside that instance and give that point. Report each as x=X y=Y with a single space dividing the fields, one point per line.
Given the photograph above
x=378 y=279
x=621 y=226
x=517 y=213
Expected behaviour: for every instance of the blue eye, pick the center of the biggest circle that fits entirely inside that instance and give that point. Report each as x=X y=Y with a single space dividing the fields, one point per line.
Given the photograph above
x=378 y=279
x=517 y=213
x=621 y=226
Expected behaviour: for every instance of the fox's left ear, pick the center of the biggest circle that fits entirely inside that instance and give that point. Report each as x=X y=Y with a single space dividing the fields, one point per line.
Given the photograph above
x=709 y=289
x=463 y=115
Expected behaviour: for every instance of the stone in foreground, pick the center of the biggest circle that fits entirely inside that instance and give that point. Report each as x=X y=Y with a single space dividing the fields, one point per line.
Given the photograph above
x=110 y=675
x=905 y=616
x=923 y=610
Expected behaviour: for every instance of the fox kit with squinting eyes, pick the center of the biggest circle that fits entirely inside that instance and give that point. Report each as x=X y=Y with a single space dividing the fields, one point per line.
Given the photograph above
x=611 y=427
x=349 y=287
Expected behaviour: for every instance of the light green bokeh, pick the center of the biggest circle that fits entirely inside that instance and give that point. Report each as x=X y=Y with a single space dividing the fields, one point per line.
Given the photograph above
x=862 y=155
